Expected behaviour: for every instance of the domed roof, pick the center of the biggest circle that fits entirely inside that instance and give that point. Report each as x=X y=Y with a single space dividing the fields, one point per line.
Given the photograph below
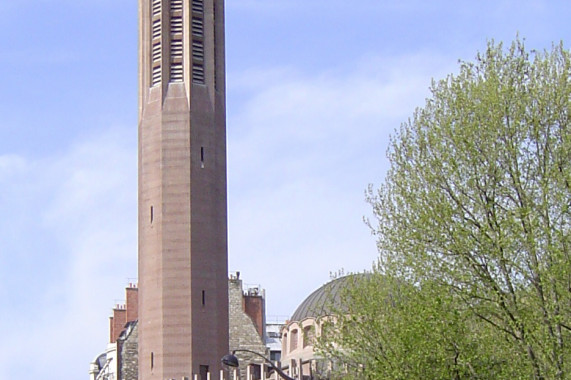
x=324 y=300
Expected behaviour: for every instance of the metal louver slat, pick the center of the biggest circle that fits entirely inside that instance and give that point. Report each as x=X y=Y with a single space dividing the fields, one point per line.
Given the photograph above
x=156 y=8
x=198 y=6
x=197 y=26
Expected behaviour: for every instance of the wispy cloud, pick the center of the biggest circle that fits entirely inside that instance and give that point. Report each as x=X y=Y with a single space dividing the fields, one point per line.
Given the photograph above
x=302 y=150
x=84 y=202
x=22 y=4
x=38 y=56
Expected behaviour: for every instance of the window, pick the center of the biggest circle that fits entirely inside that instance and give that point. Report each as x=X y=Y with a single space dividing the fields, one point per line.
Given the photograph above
x=198 y=50
x=197 y=28
x=156 y=29
x=275 y=356
x=308 y=336
x=176 y=25
x=203 y=372
x=293 y=340
x=157 y=52
x=156 y=8
x=176 y=46
x=198 y=73
x=156 y=42
x=198 y=6
x=176 y=5
x=156 y=76
x=326 y=329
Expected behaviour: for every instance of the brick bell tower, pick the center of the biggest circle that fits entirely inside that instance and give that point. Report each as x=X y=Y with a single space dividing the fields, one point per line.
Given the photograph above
x=183 y=263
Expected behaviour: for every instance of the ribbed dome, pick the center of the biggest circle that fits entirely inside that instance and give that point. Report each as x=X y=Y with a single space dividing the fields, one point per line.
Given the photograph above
x=323 y=300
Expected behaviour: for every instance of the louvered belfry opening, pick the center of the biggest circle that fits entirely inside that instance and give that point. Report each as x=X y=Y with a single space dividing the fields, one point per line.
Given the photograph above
x=176 y=44
x=156 y=42
x=197 y=28
x=171 y=49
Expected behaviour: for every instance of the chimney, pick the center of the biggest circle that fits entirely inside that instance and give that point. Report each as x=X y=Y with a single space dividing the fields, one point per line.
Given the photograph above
x=118 y=322
x=111 y=332
x=132 y=296
x=254 y=306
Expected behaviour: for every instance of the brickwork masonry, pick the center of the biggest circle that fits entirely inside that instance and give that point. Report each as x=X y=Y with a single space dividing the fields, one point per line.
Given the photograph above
x=129 y=354
x=243 y=331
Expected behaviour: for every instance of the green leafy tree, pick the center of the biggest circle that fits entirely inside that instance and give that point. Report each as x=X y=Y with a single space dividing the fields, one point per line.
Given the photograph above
x=391 y=329
x=474 y=218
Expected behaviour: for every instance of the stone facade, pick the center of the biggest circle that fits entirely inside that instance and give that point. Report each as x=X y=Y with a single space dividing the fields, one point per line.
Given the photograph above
x=121 y=354
x=129 y=354
x=246 y=331
x=244 y=334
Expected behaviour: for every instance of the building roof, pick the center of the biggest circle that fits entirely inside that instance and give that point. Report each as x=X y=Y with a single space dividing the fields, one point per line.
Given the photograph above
x=323 y=301
x=101 y=360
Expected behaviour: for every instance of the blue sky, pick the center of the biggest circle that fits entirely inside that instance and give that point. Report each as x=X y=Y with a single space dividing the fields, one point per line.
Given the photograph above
x=315 y=88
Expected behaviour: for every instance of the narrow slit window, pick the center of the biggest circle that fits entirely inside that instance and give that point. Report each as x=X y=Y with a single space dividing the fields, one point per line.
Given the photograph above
x=203 y=298
x=152 y=360
x=152 y=214
x=202 y=157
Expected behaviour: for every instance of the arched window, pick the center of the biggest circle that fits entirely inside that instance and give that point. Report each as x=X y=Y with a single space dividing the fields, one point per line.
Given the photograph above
x=308 y=336
x=293 y=339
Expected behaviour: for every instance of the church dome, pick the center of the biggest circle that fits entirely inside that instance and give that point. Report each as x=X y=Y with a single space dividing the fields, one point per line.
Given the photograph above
x=324 y=300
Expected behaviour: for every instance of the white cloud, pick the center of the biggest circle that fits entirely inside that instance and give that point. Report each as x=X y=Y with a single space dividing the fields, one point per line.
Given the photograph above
x=11 y=164
x=20 y=4
x=85 y=204
x=301 y=152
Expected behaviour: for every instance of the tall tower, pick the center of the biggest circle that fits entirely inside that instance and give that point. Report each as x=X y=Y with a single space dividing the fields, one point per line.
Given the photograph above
x=183 y=265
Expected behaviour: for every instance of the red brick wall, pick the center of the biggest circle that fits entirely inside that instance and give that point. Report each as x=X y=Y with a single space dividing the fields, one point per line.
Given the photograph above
x=118 y=322
x=254 y=308
x=111 y=334
x=132 y=295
